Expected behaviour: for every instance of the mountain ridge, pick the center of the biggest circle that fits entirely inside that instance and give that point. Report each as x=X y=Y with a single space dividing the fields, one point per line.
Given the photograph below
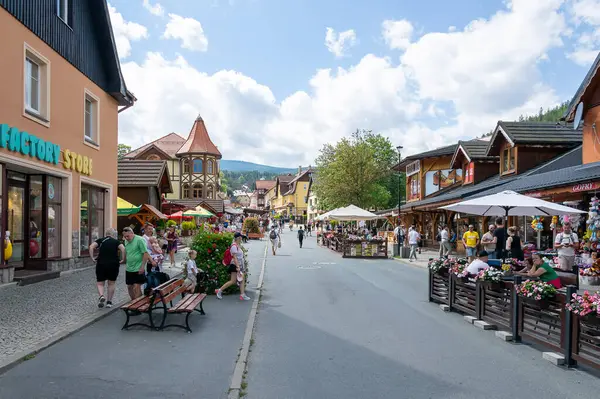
x=231 y=165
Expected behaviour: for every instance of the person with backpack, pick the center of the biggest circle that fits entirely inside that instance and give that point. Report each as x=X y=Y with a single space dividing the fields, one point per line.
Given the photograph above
x=274 y=237
x=234 y=259
x=566 y=242
x=300 y=236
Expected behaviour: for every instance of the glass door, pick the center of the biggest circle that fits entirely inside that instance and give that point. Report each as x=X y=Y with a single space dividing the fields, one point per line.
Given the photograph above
x=16 y=221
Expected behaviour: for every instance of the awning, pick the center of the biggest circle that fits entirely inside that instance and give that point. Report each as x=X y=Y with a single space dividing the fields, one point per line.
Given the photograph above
x=125 y=208
x=198 y=212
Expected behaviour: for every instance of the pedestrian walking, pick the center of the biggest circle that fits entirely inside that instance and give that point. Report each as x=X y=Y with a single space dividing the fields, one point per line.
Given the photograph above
x=275 y=240
x=107 y=265
x=172 y=244
x=566 y=242
x=445 y=247
x=300 y=236
x=137 y=256
x=309 y=229
x=413 y=241
x=236 y=269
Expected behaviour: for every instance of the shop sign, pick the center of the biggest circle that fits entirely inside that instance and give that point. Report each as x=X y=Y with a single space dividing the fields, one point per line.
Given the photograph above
x=585 y=187
x=27 y=144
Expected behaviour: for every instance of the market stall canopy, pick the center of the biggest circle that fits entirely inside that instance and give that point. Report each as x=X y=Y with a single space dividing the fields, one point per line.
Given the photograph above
x=148 y=213
x=232 y=211
x=125 y=208
x=510 y=203
x=325 y=216
x=199 y=212
x=352 y=212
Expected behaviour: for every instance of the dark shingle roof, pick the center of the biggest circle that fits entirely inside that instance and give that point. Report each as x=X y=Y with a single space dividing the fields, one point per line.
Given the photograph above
x=475 y=149
x=570 y=113
x=535 y=133
x=438 y=152
x=216 y=204
x=496 y=183
x=140 y=173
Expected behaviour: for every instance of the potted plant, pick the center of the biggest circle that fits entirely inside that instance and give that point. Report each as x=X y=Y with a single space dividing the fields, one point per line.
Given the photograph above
x=586 y=306
x=459 y=268
x=438 y=266
x=187 y=228
x=491 y=278
x=536 y=293
x=252 y=228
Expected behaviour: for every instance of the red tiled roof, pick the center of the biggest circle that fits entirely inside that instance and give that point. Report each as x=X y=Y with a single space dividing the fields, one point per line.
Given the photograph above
x=168 y=144
x=264 y=184
x=198 y=141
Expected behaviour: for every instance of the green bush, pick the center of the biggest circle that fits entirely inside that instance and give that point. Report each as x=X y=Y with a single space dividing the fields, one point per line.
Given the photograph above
x=188 y=226
x=251 y=226
x=171 y=223
x=211 y=247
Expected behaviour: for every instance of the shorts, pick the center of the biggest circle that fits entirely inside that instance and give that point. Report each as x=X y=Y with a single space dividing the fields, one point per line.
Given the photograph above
x=471 y=251
x=132 y=278
x=566 y=263
x=107 y=272
x=232 y=268
x=190 y=280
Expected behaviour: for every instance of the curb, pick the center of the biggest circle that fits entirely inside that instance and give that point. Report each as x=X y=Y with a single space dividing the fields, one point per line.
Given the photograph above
x=19 y=357
x=235 y=387
x=407 y=263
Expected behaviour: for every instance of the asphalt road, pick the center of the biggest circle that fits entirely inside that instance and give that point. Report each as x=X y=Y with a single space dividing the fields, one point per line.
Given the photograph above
x=102 y=361
x=329 y=327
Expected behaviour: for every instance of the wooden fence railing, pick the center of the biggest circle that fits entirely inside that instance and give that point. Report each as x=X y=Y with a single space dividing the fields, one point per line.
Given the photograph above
x=546 y=323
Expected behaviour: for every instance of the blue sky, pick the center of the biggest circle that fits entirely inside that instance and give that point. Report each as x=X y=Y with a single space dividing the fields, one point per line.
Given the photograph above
x=257 y=84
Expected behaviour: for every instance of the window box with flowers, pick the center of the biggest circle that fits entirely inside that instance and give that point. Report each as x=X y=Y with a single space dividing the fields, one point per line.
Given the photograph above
x=491 y=279
x=536 y=294
x=586 y=306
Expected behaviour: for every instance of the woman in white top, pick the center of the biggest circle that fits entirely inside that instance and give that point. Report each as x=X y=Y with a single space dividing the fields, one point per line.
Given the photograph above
x=236 y=269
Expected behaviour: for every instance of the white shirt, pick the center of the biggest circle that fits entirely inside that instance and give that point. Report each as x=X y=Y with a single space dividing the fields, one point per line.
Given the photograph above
x=445 y=236
x=239 y=254
x=192 y=270
x=564 y=238
x=397 y=231
x=476 y=266
x=490 y=247
x=413 y=237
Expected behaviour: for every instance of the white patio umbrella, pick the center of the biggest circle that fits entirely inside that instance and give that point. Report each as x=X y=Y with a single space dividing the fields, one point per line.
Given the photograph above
x=351 y=213
x=510 y=203
x=325 y=215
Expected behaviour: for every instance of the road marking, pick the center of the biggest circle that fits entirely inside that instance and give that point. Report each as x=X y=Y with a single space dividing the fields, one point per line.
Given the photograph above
x=324 y=263
x=309 y=267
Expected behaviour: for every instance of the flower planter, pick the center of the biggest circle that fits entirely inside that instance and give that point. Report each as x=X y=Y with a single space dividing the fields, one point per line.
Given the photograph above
x=442 y=271
x=539 y=305
x=255 y=236
x=591 y=319
x=493 y=285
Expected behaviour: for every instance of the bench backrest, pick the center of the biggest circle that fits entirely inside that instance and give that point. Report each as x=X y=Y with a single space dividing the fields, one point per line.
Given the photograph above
x=169 y=290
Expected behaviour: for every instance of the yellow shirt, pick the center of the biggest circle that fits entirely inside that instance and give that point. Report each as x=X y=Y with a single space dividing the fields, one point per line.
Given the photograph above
x=471 y=237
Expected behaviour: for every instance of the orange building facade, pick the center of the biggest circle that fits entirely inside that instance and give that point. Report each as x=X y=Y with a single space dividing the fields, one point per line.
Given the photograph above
x=58 y=142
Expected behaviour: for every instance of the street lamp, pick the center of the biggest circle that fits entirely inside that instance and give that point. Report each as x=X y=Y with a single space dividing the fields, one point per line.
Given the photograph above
x=399 y=148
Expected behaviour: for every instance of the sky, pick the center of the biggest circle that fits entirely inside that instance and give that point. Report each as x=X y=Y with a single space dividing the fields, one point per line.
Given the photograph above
x=274 y=80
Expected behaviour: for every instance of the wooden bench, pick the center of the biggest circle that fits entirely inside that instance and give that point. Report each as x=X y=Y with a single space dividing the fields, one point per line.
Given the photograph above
x=161 y=299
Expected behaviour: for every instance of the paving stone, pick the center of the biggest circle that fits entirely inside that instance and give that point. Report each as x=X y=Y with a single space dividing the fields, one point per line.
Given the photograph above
x=504 y=335
x=470 y=319
x=484 y=325
x=445 y=308
x=555 y=358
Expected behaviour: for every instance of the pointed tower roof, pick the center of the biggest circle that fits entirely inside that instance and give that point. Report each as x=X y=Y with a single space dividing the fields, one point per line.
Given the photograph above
x=199 y=142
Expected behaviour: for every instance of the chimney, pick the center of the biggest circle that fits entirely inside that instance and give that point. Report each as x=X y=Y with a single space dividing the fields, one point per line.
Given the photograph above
x=299 y=169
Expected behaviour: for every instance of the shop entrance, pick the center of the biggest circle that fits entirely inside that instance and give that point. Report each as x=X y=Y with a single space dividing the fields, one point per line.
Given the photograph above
x=16 y=219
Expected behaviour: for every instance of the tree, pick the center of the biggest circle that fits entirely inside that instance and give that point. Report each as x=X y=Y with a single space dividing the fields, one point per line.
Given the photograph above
x=357 y=170
x=123 y=149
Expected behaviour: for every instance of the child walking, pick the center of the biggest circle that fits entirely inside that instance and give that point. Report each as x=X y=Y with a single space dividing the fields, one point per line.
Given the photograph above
x=191 y=270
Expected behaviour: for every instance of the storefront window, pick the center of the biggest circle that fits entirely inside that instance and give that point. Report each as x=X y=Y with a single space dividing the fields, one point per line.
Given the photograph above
x=36 y=206
x=54 y=198
x=92 y=216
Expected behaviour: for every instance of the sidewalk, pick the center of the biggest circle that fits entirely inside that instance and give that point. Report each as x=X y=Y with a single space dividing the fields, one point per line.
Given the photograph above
x=422 y=259
x=102 y=360
x=35 y=315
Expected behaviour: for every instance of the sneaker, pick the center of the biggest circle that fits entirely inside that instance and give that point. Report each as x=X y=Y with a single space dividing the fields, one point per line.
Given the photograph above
x=101 y=301
x=108 y=304
x=245 y=297
x=219 y=294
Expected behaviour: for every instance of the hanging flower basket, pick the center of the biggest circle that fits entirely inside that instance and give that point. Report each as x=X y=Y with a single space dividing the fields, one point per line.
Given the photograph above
x=591 y=319
x=535 y=304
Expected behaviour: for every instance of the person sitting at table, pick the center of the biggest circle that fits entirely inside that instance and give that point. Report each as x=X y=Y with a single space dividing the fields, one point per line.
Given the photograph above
x=528 y=264
x=543 y=271
x=481 y=263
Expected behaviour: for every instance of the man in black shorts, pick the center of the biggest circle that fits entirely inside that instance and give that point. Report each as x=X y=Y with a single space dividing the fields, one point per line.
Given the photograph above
x=107 y=264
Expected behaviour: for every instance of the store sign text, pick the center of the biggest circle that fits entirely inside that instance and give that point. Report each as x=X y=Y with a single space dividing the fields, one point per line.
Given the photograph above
x=584 y=187
x=27 y=144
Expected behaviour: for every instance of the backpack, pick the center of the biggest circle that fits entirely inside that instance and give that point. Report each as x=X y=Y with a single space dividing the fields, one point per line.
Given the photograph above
x=273 y=235
x=227 y=257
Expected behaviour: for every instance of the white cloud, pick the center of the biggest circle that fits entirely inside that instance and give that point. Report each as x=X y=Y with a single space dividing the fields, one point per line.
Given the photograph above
x=125 y=32
x=587 y=45
x=188 y=30
x=447 y=86
x=155 y=9
x=397 y=34
x=339 y=43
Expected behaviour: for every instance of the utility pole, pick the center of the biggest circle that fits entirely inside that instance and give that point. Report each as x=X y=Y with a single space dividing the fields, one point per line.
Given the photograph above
x=399 y=148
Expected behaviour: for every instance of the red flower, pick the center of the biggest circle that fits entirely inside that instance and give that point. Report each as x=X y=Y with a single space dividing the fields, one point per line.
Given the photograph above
x=214 y=245
x=209 y=251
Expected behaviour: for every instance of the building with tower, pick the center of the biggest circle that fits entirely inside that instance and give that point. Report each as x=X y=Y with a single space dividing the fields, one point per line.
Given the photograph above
x=193 y=167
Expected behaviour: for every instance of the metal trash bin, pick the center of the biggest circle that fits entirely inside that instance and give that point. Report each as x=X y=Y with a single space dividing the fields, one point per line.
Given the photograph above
x=404 y=251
